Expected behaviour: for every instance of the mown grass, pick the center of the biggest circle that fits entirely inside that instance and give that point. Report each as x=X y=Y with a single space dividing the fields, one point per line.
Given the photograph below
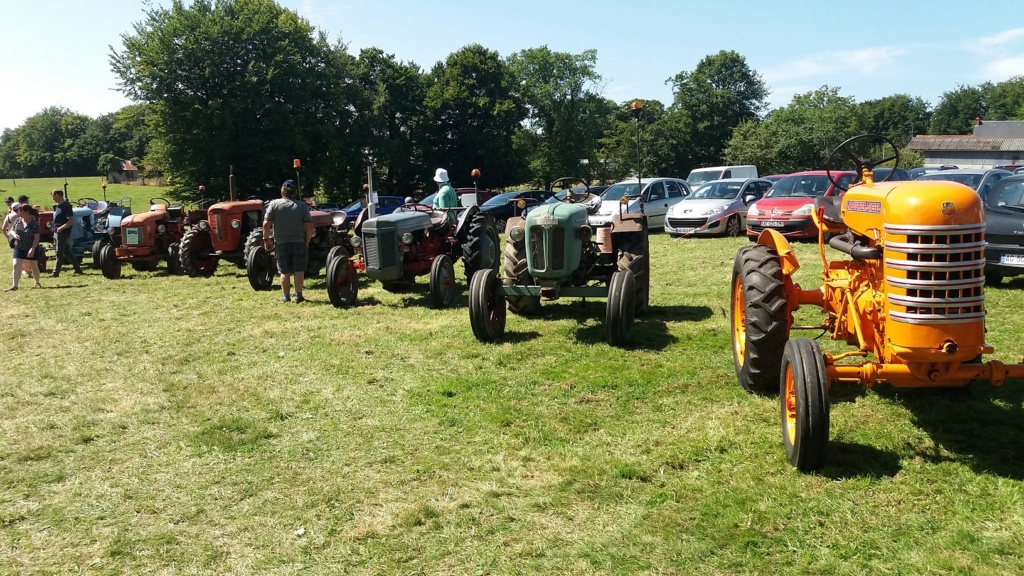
x=38 y=190
x=171 y=425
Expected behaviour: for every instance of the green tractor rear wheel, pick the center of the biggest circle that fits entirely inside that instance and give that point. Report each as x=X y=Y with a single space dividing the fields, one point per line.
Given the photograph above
x=516 y=272
x=635 y=257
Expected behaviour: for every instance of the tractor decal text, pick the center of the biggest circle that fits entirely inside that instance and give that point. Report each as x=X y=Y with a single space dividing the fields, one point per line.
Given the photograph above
x=864 y=206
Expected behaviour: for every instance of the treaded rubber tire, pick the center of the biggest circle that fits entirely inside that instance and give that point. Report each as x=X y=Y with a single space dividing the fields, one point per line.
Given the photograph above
x=260 y=269
x=174 y=260
x=806 y=442
x=757 y=274
x=620 y=308
x=254 y=239
x=342 y=290
x=442 y=282
x=109 y=264
x=516 y=272
x=635 y=256
x=191 y=243
x=98 y=245
x=480 y=250
x=486 y=306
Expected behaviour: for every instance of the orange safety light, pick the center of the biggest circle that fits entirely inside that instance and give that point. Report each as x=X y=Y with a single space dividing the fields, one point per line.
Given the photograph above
x=296 y=163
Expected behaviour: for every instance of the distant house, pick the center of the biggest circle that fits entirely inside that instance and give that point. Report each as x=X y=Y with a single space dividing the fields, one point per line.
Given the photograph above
x=127 y=173
x=993 y=143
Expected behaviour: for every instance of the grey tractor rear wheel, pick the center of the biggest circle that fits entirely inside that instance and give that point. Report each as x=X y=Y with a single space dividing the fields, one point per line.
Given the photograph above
x=260 y=269
x=759 y=318
x=342 y=284
x=516 y=272
x=620 y=308
x=442 y=282
x=480 y=248
x=486 y=306
x=634 y=256
x=804 y=404
x=197 y=256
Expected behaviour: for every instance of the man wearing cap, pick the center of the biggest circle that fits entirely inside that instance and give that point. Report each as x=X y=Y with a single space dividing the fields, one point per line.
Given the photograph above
x=290 y=224
x=445 y=198
x=63 y=220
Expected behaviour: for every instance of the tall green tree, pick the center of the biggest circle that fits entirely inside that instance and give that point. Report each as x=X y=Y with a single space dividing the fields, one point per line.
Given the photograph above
x=898 y=117
x=957 y=109
x=721 y=92
x=51 y=143
x=656 y=143
x=566 y=116
x=242 y=83
x=471 y=111
x=9 y=147
x=1006 y=100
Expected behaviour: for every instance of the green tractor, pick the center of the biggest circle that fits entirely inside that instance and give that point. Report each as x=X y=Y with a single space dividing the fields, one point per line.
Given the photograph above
x=554 y=251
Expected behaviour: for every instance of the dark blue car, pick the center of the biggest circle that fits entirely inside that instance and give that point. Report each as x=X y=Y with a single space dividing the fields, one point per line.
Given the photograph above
x=385 y=205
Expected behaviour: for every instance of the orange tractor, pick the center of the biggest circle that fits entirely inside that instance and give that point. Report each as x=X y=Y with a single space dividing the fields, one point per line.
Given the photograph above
x=149 y=237
x=908 y=292
x=222 y=233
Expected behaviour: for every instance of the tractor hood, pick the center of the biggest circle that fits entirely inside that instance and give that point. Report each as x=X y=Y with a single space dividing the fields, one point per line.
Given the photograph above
x=400 y=222
x=915 y=203
x=237 y=206
x=558 y=213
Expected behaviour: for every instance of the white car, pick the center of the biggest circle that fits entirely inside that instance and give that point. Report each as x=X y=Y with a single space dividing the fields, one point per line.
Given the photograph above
x=717 y=207
x=657 y=194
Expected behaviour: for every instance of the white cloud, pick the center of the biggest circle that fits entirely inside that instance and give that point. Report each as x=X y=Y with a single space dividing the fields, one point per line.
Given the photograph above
x=865 y=61
x=1003 y=68
x=989 y=43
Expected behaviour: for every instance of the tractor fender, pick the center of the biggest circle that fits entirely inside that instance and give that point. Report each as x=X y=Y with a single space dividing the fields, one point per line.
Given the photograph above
x=464 y=219
x=778 y=242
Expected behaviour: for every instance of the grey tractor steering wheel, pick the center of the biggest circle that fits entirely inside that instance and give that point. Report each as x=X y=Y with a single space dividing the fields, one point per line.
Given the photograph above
x=861 y=164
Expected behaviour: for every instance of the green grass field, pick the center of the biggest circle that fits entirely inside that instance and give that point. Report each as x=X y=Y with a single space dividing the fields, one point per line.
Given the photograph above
x=38 y=190
x=170 y=425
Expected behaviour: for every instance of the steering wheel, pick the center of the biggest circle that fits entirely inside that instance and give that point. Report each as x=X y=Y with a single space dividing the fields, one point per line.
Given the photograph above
x=159 y=200
x=861 y=164
x=205 y=203
x=87 y=201
x=570 y=196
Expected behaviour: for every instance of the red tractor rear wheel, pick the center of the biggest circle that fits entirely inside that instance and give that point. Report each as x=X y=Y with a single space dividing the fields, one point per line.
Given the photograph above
x=198 y=258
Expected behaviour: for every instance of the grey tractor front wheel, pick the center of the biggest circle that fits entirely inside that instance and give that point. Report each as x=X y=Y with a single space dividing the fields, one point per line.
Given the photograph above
x=442 y=282
x=342 y=285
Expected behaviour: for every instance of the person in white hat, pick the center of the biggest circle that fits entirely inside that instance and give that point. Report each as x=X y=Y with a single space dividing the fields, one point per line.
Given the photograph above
x=445 y=198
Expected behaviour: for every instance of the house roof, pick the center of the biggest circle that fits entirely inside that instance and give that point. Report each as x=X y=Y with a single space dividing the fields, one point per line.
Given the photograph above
x=999 y=129
x=966 y=144
x=127 y=166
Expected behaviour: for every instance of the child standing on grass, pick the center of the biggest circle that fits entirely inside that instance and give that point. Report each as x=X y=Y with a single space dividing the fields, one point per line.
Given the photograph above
x=26 y=234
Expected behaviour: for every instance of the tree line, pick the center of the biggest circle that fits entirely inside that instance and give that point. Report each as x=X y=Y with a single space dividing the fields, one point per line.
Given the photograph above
x=249 y=85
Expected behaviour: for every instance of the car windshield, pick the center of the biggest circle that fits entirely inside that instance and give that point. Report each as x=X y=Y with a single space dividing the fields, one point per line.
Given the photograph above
x=429 y=199
x=619 y=190
x=716 y=191
x=1007 y=194
x=800 y=187
x=353 y=206
x=499 y=200
x=697 y=178
x=971 y=180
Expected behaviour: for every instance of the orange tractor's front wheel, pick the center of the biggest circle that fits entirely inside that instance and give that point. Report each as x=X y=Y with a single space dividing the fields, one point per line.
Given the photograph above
x=760 y=318
x=804 y=404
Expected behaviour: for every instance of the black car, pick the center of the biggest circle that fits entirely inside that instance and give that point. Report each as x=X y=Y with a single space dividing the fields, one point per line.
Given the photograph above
x=503 y=206
x=1004 y=230
x=881 y=173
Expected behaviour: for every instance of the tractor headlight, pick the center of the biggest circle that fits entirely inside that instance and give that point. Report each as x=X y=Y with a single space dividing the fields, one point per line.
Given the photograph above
x=803 y=210
x=407 y=238
x=517 y=233
x=203 y=225
x=713 y=211
x=356 y=242
x=585 y=233
x=49 y=225
x=161 y=228
x=236 y=224
x=752 y=211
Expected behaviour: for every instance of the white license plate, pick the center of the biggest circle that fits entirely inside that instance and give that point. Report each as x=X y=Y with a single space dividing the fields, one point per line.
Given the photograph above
x=1011 y=258
x=133 y=236
x=685 y=230
x=773 y=223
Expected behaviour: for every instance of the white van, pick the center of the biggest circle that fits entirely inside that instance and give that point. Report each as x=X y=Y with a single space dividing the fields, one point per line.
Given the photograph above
x=699 y=176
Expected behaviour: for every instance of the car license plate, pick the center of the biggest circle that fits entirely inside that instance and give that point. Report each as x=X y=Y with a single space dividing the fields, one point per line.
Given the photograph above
x=133 y=236
x=685 y=230
x=773 y=223
x=1011 y=258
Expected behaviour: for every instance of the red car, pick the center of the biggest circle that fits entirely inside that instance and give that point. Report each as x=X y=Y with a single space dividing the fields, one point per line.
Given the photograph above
x=787 y=206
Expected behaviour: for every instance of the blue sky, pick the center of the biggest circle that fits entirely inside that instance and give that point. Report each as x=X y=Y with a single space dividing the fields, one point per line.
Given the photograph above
x=56 y=52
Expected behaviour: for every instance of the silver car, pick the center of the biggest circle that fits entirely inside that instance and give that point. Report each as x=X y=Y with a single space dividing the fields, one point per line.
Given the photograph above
x=658 y=195
x=717 y=207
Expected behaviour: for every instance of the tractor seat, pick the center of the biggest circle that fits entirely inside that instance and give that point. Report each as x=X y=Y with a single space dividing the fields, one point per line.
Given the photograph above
x=438 y=218
x=832 y=213
x=100 y=207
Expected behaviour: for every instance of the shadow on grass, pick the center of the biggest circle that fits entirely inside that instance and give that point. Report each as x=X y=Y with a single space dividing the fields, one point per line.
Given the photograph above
x=842 y=392
x=680 y=313
x=981 y=423
x=848 y=460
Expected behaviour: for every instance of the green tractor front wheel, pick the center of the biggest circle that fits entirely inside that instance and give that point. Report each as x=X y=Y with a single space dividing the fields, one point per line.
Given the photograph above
x=486 y=306
x=620 y=308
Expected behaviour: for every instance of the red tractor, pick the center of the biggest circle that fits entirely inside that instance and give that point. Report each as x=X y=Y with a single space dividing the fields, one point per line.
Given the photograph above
x=331 y=238
x=149 y=237
x=220 y=234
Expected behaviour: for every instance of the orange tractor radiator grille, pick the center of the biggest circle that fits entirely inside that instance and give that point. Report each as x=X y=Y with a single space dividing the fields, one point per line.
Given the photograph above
x=936 y=274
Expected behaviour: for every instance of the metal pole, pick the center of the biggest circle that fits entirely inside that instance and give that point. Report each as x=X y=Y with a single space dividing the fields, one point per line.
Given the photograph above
x=371 y=210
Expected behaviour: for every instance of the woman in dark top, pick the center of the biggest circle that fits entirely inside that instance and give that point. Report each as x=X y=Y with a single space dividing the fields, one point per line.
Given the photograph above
x=26 y=234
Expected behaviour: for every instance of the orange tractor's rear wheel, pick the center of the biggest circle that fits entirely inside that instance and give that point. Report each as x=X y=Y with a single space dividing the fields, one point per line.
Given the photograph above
x=804 y=404
x=760 y=318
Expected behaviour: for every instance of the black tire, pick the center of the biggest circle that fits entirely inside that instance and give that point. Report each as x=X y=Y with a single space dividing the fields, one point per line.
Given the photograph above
x=197 y=256
x=517 y=273
x=254 y=239
x=993 y=278
x=174 y=260
x=486 y=306
x=760 y=318
x=804 y=404
x=732 y=226
x=342 y=284
x=480 y=249
x=145 y=265
x=500 y=225
x=635 y=256
x=442 y=282
x=98 y=245
x=620 y=308
x=109 y=264
x=41 y=259
x=260 y=269
x=337 y=251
